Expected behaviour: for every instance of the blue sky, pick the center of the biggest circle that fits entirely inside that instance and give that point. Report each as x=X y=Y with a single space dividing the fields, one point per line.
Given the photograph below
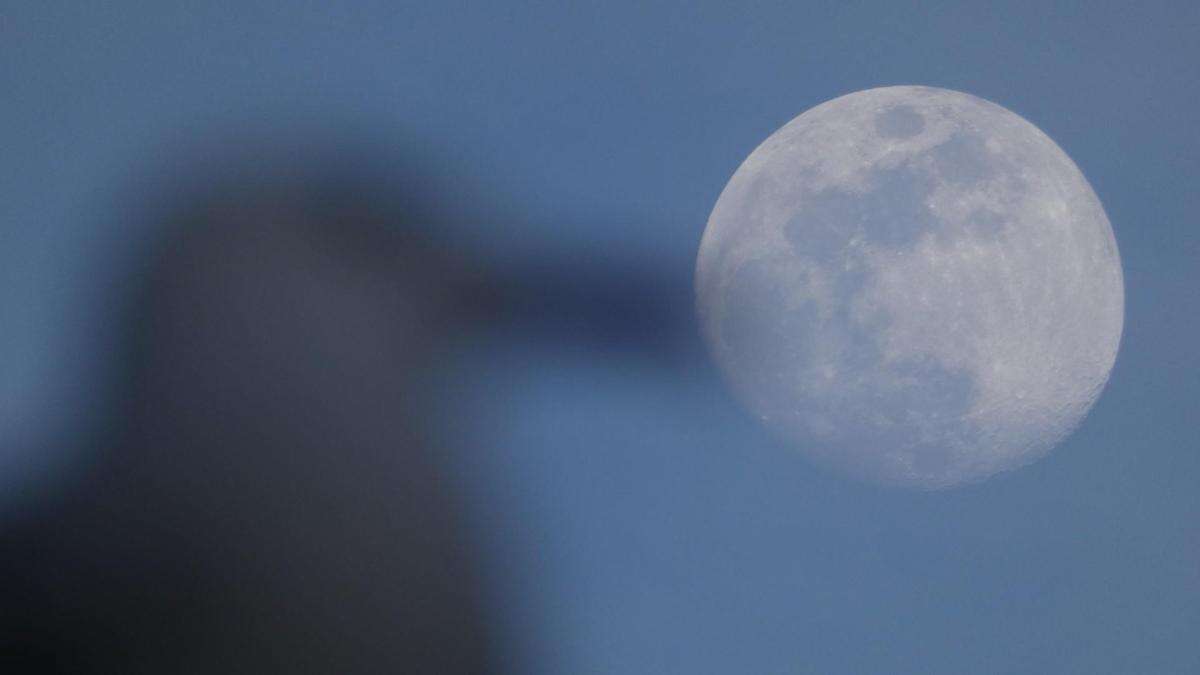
x=636 y=522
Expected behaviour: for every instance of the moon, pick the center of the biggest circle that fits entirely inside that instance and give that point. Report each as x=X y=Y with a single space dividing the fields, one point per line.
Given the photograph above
x=912 y=286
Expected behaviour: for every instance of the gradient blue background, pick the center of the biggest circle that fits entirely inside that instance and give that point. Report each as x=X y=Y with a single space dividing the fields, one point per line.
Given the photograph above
x=634 y=521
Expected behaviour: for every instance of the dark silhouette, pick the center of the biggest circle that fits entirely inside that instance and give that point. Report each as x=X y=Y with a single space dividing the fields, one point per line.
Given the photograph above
x=272 y=498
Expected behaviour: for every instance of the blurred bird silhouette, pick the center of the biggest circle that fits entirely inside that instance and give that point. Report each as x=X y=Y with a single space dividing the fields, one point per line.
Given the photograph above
x=271 y=498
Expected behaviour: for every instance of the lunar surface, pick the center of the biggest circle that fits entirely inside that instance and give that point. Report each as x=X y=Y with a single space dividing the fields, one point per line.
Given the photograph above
x=912 y=285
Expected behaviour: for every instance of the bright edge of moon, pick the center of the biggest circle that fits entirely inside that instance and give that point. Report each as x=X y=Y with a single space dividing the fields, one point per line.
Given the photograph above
x=913 y=286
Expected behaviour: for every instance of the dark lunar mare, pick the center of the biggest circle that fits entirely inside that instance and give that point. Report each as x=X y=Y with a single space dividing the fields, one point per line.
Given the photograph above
x=769 y=339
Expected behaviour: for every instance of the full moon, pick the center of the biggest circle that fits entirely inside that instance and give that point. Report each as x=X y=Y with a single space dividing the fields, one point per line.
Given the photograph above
x=913 y=286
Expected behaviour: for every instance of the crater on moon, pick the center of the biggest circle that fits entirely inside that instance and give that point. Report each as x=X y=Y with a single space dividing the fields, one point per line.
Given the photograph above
x=899 y=122
x=913 y=285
